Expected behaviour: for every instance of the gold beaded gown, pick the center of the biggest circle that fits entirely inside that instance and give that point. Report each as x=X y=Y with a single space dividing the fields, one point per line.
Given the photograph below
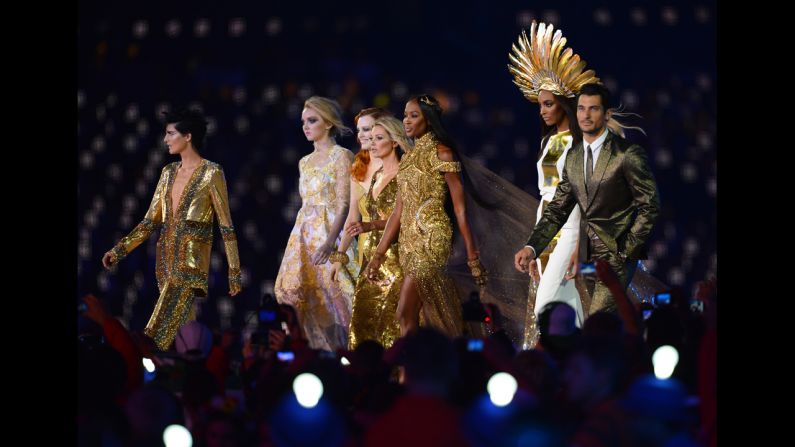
x=183 y=248
x=375 y=301
x=322 y=304
x=426 y=234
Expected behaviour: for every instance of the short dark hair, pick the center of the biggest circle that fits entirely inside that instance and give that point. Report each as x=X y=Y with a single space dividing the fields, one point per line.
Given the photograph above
x=189 y=121
x=594 y=90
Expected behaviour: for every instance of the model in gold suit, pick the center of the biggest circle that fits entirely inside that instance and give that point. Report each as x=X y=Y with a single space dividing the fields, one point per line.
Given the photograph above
x=188 y=196
x=427 y=174
x=375 y=301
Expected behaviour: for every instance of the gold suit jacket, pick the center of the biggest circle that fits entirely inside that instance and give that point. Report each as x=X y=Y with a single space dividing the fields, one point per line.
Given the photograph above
x=183 y=249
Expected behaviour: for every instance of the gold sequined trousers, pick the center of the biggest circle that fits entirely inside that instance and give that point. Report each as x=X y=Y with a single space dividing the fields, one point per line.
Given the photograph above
x=173 y=309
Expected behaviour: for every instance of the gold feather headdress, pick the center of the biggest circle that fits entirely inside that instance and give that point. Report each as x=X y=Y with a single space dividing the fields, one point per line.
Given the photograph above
x=540 y=63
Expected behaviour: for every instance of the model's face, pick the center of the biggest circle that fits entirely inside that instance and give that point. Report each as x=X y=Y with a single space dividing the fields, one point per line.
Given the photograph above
x=364 y=127
x=591 y=115
x=313 y=125
x=413 y=121
x=383 y=144
x=551 y=111
x=176 y=141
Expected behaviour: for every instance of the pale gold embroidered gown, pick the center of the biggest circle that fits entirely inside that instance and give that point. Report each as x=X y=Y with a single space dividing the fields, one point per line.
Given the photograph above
x=323 y=305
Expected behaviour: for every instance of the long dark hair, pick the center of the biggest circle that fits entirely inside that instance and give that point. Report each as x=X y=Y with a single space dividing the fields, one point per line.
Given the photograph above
x=432 y=112
x=569 y=106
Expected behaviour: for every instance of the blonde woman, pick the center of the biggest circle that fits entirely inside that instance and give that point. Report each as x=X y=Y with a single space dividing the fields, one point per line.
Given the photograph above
x=362 y=172
x=304 y=279
x=375 y=301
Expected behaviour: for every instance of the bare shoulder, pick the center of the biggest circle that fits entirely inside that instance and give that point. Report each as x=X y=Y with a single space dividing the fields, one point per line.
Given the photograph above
x=444 y=153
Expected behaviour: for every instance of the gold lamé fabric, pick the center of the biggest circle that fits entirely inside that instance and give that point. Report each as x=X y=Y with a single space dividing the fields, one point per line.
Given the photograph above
x=555 y=148
x=183 y=248
x=426 y=234
x=375 y=301
x=323 y=305
x=362 y=242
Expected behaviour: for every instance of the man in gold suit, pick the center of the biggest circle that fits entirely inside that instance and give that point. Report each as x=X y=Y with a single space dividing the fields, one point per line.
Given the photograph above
x=609 y=178
x=189 y=195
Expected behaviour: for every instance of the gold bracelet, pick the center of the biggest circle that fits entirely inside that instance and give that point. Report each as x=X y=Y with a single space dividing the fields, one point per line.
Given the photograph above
x=340 y=257
x=476 y=268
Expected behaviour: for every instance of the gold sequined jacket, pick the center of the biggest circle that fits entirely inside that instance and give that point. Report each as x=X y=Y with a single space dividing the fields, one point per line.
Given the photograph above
x=186 y=236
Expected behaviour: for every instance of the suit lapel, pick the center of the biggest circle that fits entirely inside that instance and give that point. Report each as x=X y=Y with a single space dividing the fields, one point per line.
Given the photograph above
x=576 y=173
x=605 y=154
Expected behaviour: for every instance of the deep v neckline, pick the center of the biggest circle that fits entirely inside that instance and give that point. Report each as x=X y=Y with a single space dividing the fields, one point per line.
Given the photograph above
x=176 y=209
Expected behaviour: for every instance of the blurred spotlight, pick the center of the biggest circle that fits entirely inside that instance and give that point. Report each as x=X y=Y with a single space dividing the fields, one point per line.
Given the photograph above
x=273 y=184
x=676 y=276
x=237 y=27
x=201 y=28
x=241 y=124
x=142 y=128
x=638 y=16
x=602 y=17
x=665 y=359
x=630 y=99
x=305 y=91
x=273 y=26
x=704 y=81
x=270 y=94
x=702 y=14
x=712 y=187
x=173 y=28
x=308 y=389
x=114 y=172
x=140 y=29
x=689 y=173
x=239 y=95
x=86 y=160
x=101 y=113
x=212 y=126
x=659 y=249
x=177 y=436
x=98 y=144
x=670 y=16
x=663 y=158
x=501 y=387
x=691 y=246
x=400 y=91
x=131 y=114
x=130 y=143
x=524 y=18
x=381 y=100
